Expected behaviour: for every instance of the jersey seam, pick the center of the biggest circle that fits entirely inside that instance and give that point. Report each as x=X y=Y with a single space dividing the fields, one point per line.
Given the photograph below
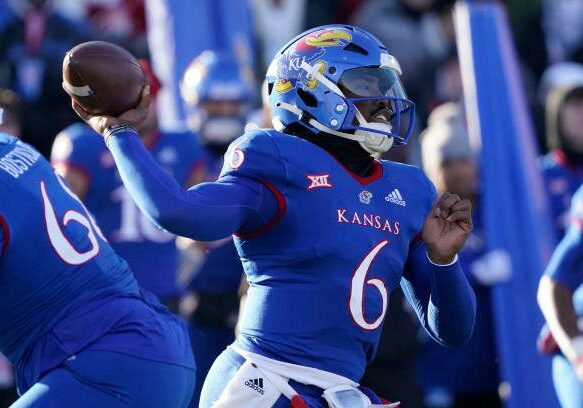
x=282 y=209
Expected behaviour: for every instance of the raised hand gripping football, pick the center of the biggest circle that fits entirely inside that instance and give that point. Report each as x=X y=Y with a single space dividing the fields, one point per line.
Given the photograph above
x=132 y=117
x=103 y=78
x=447 y=227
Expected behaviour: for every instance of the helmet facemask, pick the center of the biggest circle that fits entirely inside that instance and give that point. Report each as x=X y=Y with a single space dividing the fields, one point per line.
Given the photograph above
x=379 y=88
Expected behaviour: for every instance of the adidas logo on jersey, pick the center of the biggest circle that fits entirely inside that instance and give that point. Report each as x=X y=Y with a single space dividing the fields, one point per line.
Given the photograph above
x=256 y=384
x=396 y=198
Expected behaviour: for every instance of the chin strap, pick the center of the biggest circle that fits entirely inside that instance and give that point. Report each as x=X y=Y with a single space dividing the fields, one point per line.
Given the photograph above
x=372 y=142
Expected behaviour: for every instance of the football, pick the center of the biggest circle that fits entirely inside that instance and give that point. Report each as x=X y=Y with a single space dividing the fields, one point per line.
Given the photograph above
x=103 y=78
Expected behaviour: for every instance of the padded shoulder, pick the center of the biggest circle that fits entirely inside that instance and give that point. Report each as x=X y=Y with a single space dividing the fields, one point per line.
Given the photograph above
x=255 y=155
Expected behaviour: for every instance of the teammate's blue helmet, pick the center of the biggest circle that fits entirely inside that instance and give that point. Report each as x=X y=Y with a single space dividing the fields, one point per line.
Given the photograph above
x=307 y=77
x=215 y=77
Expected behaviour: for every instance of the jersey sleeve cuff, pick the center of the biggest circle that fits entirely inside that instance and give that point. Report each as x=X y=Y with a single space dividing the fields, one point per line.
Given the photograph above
x=455 y=259
x=116 y=130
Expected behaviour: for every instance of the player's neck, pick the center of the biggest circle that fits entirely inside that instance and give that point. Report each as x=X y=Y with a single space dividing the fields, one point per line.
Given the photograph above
x=348 y=152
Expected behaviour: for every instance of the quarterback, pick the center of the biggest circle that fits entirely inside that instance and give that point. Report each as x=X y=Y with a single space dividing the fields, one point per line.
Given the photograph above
x=325 y=232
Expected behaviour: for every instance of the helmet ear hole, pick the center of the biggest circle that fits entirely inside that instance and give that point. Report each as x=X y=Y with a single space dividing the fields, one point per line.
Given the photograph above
x=307 y=98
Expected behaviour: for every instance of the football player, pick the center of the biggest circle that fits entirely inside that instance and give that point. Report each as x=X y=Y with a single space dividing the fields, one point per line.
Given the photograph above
x=324 y=230
x=559 y=296
x=84 y=162
x=217 y=93
x=10 y=122
x=562 y=167
x=73 y=320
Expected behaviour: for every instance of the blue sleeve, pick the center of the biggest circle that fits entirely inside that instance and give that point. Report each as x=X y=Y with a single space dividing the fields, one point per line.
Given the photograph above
x=441 y=296
x=205 y=212
x=565 y=264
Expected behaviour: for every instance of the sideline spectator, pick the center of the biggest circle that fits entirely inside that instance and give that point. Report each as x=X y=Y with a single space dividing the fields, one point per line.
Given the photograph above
x=468 y=377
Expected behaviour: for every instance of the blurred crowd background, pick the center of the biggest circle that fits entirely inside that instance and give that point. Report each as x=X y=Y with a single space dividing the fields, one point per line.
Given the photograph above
x=245 y=35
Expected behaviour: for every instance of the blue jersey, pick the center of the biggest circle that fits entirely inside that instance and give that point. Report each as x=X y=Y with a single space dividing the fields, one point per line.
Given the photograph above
x=62 y=287
x=561 y=180
x=150 y=251
x=321 y=247
x=346 y=241
x=220 y=271
x=566 y=264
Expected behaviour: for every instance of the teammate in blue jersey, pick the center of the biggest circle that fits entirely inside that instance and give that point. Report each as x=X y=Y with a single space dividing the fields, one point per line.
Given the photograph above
x=81 y=158
x=324 y=231
x=217 y=91
x=10 y=122
x=560 y=297
x=73 y=319
x=562 y=167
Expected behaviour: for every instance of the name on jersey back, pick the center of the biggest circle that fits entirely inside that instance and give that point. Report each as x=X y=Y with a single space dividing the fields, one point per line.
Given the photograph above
x=17 y=161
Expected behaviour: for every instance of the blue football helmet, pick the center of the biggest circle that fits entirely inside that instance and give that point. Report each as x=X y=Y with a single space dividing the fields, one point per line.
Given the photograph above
x=213 y=78
x=317 y=79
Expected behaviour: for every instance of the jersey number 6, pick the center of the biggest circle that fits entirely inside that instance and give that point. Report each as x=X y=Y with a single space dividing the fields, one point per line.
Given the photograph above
x=357 y=288
x=66 y=251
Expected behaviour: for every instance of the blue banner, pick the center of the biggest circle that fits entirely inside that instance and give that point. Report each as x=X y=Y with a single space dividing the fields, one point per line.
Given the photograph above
x=514 y=203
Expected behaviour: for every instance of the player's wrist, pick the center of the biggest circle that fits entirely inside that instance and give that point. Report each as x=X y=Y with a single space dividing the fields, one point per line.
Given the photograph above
x=438 y=260
x=112 y=130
